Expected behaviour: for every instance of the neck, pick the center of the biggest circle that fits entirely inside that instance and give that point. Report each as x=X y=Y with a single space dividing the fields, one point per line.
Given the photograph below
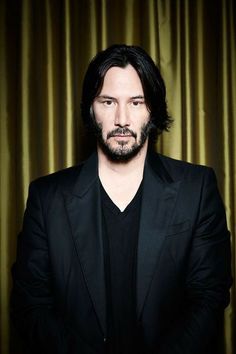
x=121 y=180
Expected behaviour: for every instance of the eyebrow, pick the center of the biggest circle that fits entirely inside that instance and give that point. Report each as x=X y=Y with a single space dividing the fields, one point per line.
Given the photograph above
x=113 y=98
x=105 y=96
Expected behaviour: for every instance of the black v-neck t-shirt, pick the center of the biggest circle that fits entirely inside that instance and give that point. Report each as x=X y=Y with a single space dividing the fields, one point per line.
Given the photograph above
x=120 y=237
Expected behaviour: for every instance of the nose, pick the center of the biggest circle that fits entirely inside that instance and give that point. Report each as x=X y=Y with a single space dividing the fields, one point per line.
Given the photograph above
x=122 y=116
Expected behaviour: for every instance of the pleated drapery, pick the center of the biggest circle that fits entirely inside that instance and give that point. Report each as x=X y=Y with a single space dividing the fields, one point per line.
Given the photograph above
x=45 y=47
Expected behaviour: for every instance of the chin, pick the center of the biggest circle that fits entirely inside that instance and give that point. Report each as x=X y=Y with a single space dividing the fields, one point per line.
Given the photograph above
x=115 y=154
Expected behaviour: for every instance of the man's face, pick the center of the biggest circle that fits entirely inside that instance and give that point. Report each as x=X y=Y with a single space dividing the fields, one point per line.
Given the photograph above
x=122 y=120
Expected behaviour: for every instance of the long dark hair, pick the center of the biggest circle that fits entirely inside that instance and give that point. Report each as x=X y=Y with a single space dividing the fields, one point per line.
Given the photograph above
x=153 y=85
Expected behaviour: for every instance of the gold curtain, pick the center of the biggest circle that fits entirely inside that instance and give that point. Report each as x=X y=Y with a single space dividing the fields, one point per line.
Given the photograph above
x=45 y=46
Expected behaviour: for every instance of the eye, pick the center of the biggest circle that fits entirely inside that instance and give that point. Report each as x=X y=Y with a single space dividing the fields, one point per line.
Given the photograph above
x=137 y=103
x=108 y=102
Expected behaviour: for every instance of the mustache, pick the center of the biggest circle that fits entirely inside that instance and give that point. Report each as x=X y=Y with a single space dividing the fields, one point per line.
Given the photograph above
x=121 y=131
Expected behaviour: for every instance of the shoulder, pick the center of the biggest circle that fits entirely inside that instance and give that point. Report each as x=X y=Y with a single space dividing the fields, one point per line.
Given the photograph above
x=53 y=186
x=182 y=170
x=72 y=180
x=196 y=181
x=64 y=179
x=197 y=185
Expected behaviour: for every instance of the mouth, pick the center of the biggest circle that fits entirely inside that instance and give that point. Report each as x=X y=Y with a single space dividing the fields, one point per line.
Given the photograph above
x=121 y=133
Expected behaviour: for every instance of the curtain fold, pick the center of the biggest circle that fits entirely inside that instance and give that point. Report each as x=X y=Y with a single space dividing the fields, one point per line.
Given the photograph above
x=228 y=126
x=45 y=47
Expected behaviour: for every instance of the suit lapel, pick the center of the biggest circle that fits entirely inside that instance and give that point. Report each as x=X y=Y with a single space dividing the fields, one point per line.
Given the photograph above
x=84 y=212
x=159 y=194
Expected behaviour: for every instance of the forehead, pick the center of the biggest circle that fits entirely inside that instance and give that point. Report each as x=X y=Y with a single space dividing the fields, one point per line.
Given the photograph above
x=122 y=80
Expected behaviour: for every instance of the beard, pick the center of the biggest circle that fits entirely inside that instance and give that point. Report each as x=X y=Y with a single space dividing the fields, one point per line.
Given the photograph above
x=122 y=153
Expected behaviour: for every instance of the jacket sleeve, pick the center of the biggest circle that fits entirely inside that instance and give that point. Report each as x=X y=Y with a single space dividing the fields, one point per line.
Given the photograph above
x=208 y=278
x=33 y=309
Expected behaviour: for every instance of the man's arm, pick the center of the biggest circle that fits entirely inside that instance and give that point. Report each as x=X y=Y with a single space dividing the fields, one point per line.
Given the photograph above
x=208 y=278
x=33 y=307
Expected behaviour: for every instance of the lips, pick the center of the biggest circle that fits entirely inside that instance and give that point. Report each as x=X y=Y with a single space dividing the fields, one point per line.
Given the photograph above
x=121 y=133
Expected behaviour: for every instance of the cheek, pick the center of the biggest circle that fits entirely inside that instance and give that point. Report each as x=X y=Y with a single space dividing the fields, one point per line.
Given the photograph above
x=98 y=114
x=141 y=116
x=147 y=115
x=101 y=117
x=104 y=129
x=143 y=120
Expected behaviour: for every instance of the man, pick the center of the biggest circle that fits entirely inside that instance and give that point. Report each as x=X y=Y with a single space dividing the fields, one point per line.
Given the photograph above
x=128 y=252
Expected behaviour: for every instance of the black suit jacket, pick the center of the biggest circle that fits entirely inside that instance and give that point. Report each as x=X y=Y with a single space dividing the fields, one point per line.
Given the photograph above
x=183 y=261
